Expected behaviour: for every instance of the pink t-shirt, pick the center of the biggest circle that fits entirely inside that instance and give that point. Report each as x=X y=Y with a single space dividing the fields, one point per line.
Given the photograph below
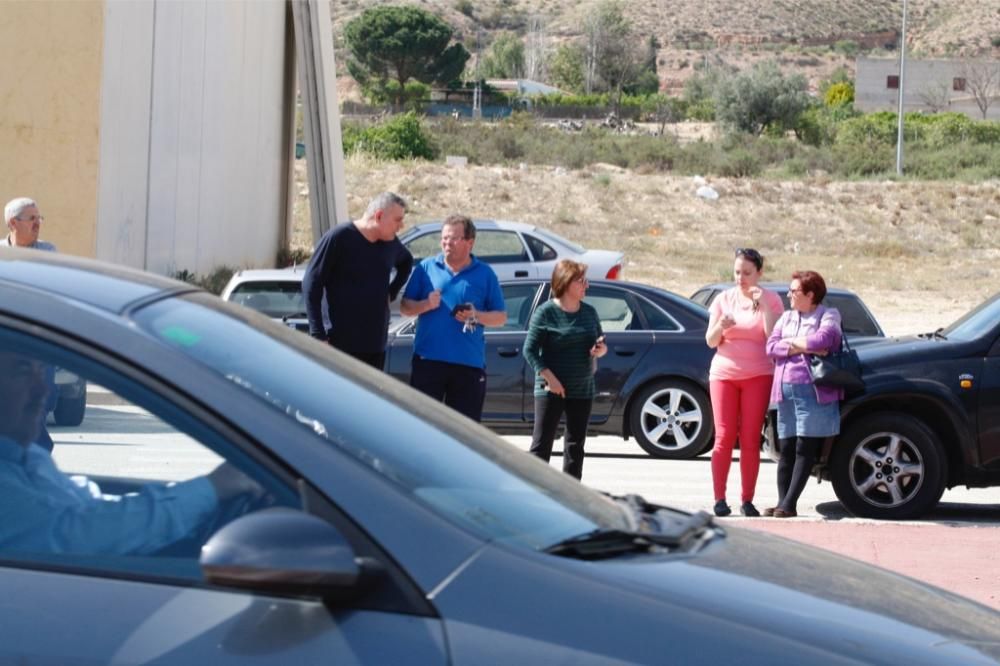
x=741 y=353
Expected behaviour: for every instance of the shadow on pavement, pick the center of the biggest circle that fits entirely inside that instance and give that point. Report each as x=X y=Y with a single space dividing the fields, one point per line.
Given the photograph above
x=945 y=512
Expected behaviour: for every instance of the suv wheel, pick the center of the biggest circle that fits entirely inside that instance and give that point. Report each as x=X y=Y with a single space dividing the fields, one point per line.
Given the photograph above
x=671 y=418
x=888 y=466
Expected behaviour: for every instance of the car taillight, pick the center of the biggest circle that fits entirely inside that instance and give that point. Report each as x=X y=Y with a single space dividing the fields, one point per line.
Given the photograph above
x=615 y=273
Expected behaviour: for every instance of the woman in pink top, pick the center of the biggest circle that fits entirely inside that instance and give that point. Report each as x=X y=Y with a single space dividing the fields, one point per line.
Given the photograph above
x=740 y=377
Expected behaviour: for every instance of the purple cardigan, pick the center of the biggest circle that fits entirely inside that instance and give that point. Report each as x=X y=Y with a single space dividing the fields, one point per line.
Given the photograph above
x=821 y=329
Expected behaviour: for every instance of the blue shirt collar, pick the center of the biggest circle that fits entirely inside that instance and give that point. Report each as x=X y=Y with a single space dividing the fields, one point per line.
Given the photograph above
x=439 y=260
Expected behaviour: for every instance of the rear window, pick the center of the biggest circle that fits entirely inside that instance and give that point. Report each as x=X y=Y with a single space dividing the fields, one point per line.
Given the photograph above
x=274 y=298
x=854 y=317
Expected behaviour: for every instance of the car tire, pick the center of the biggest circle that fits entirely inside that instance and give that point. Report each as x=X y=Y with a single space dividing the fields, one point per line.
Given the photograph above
x=672 y=418
x=888 y=466
x=69 y=411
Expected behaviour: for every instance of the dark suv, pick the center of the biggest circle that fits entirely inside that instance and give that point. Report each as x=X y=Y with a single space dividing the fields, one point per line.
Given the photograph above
x=929 y=419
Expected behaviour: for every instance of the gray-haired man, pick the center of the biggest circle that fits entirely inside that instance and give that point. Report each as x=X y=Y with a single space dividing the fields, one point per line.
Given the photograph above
x=23 y=224
x=351 y=268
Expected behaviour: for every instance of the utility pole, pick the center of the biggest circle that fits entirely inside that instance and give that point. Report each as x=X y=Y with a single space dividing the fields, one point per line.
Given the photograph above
x=899 y=120
x=477 y=92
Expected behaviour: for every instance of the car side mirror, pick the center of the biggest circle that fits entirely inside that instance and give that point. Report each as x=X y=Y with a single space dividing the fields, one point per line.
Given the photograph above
x=284 y=551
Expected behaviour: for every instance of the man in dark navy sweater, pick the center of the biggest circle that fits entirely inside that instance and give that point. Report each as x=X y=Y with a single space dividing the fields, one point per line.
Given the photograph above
x=351 y=268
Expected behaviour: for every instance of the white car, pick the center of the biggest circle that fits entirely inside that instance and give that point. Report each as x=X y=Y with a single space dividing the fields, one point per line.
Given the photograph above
x=513 y=249
x=275 y=292
x=518 y=250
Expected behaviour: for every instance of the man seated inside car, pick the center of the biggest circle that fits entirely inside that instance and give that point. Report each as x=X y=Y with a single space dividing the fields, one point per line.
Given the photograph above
x=44 y=510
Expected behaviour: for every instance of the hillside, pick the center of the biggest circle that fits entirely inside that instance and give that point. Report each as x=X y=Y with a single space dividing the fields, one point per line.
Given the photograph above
x=801 y=34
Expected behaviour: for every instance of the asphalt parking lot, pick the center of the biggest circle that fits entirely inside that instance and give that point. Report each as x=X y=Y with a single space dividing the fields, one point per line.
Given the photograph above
x=954 y=547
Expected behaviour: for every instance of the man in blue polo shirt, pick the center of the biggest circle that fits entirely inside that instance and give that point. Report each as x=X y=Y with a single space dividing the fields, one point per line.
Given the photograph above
x=455 y=296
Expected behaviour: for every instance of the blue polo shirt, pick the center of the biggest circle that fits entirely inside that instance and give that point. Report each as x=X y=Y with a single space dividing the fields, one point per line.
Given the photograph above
x=439 y=335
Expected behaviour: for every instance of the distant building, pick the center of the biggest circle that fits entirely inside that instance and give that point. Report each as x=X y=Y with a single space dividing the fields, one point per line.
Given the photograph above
x=930 y=85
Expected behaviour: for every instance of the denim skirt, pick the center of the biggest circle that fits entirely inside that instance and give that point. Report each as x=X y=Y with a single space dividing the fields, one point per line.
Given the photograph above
x=801 y=415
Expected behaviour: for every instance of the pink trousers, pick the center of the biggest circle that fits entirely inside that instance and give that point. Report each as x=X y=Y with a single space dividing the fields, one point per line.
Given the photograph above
x=738 y=408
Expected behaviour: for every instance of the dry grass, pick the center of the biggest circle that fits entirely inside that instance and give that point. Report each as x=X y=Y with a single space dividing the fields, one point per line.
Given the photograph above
x=919 y=253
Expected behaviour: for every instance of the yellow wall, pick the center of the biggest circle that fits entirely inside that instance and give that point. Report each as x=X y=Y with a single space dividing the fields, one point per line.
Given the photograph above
x=50 y=84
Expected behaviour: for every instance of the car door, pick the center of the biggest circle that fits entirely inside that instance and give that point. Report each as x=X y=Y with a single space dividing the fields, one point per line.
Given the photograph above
x=989 y=408
x=628 y=340
x=128 y=588
x=509 y=378
x=506 y=253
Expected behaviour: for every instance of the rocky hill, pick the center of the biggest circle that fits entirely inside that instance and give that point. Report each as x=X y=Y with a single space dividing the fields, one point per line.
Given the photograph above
x=810 y=36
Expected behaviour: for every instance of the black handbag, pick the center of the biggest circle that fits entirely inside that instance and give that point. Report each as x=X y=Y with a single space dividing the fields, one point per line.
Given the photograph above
x=839 y=369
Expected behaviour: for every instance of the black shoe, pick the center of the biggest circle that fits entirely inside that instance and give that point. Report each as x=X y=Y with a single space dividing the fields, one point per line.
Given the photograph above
x=722 y=509
x=749 y=510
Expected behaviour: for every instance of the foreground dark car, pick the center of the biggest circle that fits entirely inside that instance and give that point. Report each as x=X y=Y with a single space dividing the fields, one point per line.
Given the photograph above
x=393 y=531
x=652 y=385
x=859 y=323
x=929 y=419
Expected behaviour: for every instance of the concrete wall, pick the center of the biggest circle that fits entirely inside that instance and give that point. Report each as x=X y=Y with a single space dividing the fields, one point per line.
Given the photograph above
x=50 y=118
x=923 y=79
x=195 y=134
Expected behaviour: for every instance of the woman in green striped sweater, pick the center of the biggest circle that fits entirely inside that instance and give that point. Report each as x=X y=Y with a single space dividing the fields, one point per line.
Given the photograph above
x=564 y=341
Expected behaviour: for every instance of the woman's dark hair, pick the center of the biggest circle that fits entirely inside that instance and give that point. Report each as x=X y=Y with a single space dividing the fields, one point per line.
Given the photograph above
x=751 y=255
x=811 y=282
x=563 y=275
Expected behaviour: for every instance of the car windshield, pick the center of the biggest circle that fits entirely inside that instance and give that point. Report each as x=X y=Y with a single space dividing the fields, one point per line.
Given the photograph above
x=550 y=237
x=973 y=325
x=274 y=298
x=456 y=467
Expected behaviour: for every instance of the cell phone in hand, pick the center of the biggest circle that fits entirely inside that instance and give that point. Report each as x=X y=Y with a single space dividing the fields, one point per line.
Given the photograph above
x=599 y=340
x=461 y=307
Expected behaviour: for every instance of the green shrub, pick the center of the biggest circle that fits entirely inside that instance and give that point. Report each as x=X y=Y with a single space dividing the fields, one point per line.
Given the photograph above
x=399 y=138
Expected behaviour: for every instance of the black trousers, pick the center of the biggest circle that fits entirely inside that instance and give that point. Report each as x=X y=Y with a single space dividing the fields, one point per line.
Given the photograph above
x=374 y=359
x=798 y=455
x=549 y=409
x=461 y=387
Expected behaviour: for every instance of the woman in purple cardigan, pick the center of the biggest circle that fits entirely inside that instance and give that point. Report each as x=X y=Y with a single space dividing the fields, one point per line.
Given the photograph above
x=807 y=414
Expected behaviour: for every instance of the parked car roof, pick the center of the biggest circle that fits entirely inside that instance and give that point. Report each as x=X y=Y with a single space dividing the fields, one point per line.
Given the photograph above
x=858 y=322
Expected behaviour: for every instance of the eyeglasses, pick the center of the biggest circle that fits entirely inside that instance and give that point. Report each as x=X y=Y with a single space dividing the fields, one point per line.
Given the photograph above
x=792 y=292
x=33 y=218
x=582 y=279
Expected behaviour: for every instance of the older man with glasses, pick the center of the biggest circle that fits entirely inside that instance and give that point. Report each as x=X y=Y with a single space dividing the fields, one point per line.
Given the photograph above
x=23 y=224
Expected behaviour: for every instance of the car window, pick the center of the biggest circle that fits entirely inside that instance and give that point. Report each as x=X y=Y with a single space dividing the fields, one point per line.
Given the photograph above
x=466 y=475
x=703 y=296
x=657 y=319
x=540 y=250
x=135 y=489
x=274 y=298
x=556 y=239
x=519 y=299
x=855 y=318
x=427 y=245
x=499 y=247
x=615 y=309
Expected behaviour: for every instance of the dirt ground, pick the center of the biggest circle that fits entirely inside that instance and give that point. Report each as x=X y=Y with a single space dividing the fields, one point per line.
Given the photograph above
x=919 y=253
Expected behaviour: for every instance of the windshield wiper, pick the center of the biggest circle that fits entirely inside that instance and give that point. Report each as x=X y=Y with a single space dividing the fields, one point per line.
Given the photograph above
x=936 y=335
x=297 y=315
x=657 y=529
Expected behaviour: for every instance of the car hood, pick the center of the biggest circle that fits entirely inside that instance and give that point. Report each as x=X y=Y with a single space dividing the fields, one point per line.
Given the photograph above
x=905 y=350
x=747 y=595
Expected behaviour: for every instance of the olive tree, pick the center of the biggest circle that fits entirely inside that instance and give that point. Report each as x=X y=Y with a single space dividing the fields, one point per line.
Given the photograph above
x=760 y=99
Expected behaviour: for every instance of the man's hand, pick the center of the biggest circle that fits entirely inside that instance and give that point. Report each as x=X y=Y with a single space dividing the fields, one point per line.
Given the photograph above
x=433 y=300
